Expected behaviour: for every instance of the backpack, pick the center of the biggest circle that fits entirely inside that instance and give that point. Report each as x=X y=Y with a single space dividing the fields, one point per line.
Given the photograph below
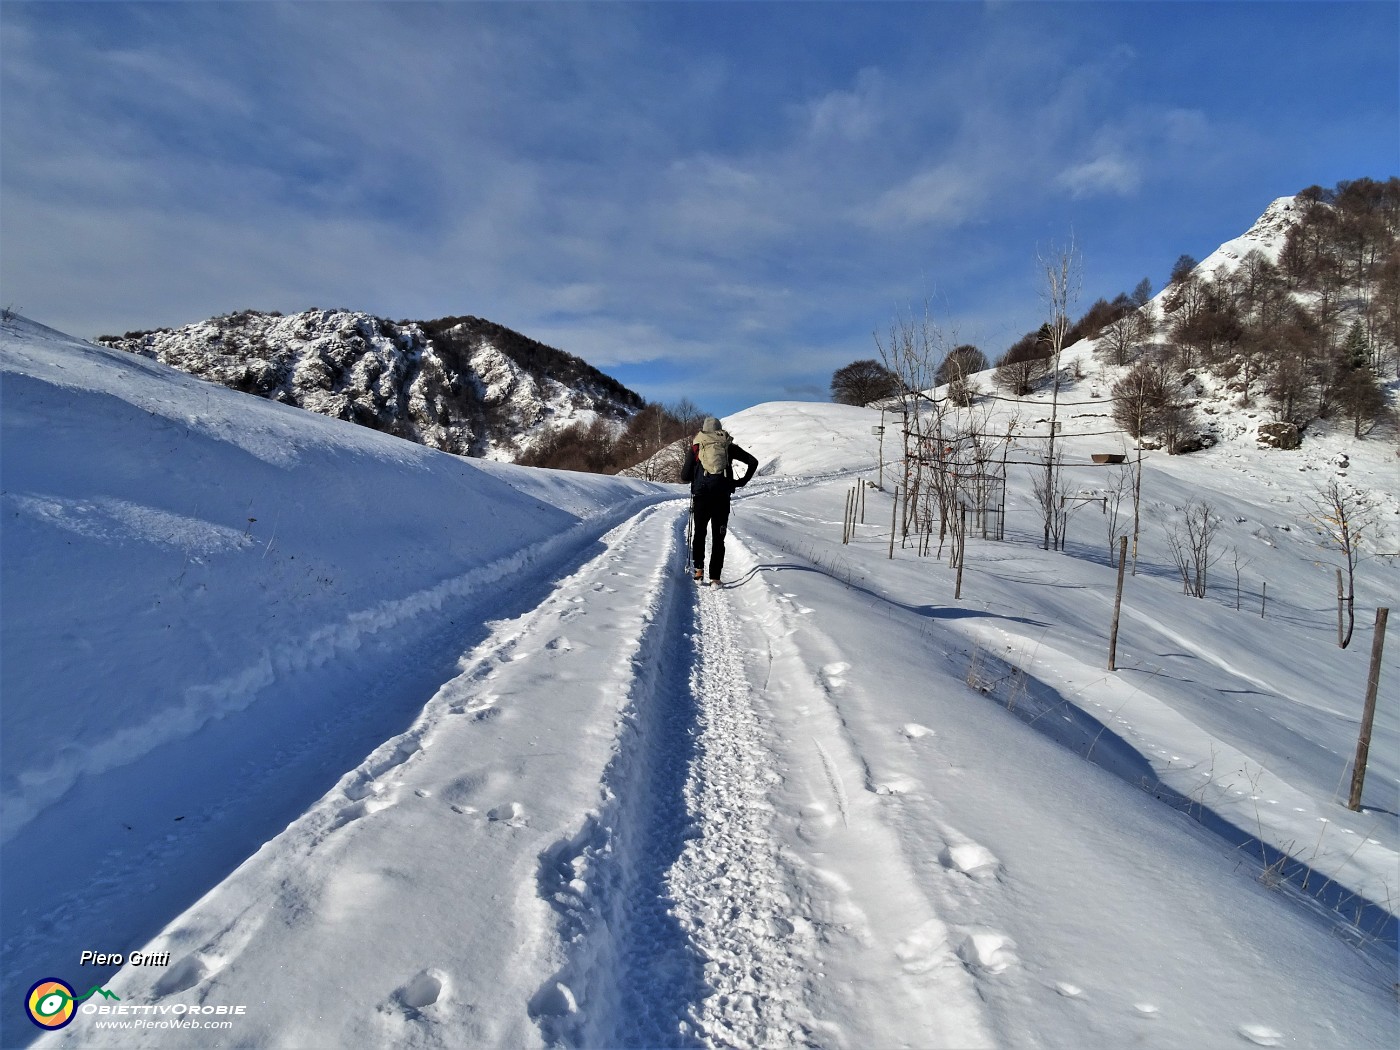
x=712 y=451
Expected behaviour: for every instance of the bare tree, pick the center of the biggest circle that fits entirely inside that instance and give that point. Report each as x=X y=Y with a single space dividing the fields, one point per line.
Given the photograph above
x=1241 y=563
x=1190 y=543
x=912 y=351
x=1345 y=518
x=1063 y=275
x=1119 y=339
x=1121 y=485
x=956 y=372
x=1023 y=365
x=1049 y=490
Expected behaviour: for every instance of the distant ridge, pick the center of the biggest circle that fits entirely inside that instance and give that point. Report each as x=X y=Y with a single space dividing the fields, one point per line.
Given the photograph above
x=463 y=385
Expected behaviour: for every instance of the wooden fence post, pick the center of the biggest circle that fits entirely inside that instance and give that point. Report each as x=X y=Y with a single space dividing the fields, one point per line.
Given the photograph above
x=894 y=518
x=1368 y=715
x=1341 y=643
x=1117 y=605
x=962 y=550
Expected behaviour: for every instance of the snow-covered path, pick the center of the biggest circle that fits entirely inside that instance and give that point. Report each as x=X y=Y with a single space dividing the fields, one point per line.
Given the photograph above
x=780 y=852
x=687 y=908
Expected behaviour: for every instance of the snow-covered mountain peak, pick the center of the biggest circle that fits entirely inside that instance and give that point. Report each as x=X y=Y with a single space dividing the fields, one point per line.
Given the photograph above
x=461 y=385
x=1266 y=236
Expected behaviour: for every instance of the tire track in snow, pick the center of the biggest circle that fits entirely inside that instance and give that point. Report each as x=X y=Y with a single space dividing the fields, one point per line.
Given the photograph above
x=630 y=973
x=730 y=884
x=673 y=899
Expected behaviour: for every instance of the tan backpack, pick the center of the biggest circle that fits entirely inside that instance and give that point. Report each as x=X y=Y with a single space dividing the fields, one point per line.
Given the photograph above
x=712 y=449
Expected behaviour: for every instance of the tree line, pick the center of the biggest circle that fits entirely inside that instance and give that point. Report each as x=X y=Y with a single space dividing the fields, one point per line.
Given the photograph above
x=650 y=445
x=1311 y=334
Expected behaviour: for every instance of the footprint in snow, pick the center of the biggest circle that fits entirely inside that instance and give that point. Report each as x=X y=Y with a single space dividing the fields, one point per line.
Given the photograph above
x=375 y=797
x=419 y=998
x=896 y=785
x=1260 y=1035
x=986 y=951
x=469 y=785
x=511 y=814
x=970 y=859
x=556 y=999
x=923 y=950
x=183 y=975
x=817 y=823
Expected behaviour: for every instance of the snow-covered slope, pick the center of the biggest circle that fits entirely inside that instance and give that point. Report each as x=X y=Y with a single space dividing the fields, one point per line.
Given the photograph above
x=213 y=605
x=461 y=385
x=371 y=745
x=1266 y=236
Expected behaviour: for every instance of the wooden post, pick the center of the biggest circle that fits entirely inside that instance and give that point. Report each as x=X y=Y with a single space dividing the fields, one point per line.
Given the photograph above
x=1117 y=605
x=962 y=552
x=1363 y=743
x=1263 y=599
x=894 y=519
x=1341 y=642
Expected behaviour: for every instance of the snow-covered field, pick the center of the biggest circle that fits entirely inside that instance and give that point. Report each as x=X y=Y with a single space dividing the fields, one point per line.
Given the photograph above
x=368 y=745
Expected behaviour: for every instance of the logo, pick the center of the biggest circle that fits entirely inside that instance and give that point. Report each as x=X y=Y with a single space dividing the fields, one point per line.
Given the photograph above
x=51 y=1003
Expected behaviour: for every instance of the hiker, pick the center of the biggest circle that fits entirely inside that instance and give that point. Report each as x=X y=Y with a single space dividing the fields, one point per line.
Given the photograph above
x=709 y=467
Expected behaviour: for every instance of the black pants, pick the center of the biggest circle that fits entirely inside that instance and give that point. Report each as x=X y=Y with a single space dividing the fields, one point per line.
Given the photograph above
x=711 y=511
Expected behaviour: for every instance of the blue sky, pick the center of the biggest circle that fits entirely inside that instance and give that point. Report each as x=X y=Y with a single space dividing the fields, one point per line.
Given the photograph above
x=719 y=201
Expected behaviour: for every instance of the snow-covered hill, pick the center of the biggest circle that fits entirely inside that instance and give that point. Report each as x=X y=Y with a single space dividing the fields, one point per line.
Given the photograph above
x=358 y=743
x=461 y=384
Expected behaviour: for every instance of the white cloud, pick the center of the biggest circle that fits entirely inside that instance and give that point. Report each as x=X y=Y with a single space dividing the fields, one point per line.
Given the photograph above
x=1107 y=174
x=947 y=196
x=851 y=116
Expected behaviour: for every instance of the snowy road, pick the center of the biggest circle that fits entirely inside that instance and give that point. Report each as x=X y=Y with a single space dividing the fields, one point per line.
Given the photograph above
x=644 y=814
x=701 y=901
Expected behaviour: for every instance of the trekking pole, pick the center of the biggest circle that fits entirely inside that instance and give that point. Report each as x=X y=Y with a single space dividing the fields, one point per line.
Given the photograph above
x=689 y=537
